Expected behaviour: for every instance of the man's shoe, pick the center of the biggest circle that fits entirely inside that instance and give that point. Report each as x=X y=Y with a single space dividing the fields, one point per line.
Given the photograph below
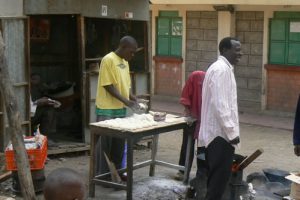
x=179 y=176
x=124 y=176
x=190 y=193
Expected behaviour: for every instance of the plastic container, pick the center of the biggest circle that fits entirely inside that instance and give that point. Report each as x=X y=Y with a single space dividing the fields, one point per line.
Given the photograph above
x=36 y=157
x=277 y=175
x=159 y=116
x=38 y=180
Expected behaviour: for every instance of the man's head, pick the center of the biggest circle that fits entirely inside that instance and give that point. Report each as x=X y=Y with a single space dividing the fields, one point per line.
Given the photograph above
x=64 y=184
x=35 y=79
x=230 y=48
x=127 y=48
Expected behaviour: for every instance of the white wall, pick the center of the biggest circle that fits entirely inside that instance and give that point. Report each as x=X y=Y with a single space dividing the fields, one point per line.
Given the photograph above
x=11 y=8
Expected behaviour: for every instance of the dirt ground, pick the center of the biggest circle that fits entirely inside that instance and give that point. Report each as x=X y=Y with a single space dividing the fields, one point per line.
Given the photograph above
x=278 y=153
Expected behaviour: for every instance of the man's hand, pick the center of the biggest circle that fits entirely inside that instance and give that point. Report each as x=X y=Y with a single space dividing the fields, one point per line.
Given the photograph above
x=45 y=101
x=189 y=120
x=235 y=140
x=187 y=111
x=132 y=104
x=297 y=149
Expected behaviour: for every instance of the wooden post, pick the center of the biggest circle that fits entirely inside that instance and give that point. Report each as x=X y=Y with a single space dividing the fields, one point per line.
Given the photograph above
x=14 y=122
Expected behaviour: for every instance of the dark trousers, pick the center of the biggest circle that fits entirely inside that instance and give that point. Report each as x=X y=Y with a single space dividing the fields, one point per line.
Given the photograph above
x=219 y=157
x=188 y=130
x=45 y=116
x=113 y=147
x=202 y=167
x=199 y=183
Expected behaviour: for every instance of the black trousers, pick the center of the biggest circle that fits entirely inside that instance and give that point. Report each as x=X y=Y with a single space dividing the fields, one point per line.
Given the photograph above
x=45 y=116
x=219 y=157
x=114 y=149
x=199 y=183
x=188 y=130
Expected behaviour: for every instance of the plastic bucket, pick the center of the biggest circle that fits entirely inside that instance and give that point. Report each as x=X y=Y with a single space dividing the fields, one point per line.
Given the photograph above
x=38 y=179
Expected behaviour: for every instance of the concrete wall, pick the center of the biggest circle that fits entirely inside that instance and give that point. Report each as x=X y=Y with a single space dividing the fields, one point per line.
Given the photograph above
x=201 y=40
x=249 y=29
x=202 y=36
x=11 y=8
x=250 y=23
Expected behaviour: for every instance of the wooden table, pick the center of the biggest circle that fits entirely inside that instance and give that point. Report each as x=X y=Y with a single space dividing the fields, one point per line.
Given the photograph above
x=132 y=137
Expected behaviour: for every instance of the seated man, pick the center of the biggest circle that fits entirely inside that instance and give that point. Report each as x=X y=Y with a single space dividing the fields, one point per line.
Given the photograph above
x=43 y=115
x=43 y=112
x=64 y=184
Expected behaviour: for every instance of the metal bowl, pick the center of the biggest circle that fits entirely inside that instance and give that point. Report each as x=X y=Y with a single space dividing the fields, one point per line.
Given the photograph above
x=159 y=116
x=277 y=175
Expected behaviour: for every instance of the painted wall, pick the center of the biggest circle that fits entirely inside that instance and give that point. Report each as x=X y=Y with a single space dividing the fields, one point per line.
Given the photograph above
x=168 y=76
x=11 y=8
x=283 y=87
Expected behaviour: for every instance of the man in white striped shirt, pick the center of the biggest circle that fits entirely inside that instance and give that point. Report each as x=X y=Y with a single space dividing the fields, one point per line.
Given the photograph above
x=219 y=131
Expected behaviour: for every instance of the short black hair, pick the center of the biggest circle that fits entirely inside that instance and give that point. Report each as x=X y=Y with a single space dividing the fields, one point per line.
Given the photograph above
x=128 y=41
x=226 y=43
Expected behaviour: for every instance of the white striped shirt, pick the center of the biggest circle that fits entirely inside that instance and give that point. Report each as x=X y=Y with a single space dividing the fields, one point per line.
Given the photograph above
x=219 y=113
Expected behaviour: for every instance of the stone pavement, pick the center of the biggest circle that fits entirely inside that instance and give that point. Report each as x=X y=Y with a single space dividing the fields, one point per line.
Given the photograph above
x=265 y=118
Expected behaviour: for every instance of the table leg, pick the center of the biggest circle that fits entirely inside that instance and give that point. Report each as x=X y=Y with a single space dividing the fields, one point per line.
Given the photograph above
x=187 y=159
x=92 y=165
x=129 y=168
x=153 y=155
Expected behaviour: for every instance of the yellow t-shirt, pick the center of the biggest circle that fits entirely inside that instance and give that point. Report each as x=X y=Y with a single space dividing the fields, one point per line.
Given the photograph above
x=113 y=71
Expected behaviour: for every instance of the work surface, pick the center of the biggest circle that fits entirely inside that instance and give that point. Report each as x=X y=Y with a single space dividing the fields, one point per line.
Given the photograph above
x=133 y=133
x=170 y=120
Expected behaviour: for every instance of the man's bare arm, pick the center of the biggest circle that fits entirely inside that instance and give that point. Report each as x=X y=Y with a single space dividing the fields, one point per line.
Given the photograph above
x=115 y=93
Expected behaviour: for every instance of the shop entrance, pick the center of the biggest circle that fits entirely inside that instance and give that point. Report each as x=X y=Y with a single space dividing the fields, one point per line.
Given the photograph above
x=55 y=57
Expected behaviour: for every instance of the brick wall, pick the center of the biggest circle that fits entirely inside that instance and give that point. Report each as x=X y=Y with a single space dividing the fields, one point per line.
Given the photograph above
x=201 y=40
x=249 y=30
x=283 y=87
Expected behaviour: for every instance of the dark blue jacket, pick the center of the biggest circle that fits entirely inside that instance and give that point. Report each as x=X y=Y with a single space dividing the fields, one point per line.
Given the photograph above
x=296 y=136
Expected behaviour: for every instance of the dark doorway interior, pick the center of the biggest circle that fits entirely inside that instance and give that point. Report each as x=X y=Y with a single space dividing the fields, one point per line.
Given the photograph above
x=103 y=36
x=54 y=56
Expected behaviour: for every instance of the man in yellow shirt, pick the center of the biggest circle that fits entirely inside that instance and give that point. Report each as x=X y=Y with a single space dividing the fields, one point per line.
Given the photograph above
x=113 y=96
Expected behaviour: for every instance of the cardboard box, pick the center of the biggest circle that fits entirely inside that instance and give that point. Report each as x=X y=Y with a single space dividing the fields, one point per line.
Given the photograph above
x=295 y=186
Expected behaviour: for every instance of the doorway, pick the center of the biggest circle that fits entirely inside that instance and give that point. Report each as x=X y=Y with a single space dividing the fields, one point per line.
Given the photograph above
x=54 y=56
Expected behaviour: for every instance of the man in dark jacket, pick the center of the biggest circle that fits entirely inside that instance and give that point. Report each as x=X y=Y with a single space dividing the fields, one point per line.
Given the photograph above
x=296 y=136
